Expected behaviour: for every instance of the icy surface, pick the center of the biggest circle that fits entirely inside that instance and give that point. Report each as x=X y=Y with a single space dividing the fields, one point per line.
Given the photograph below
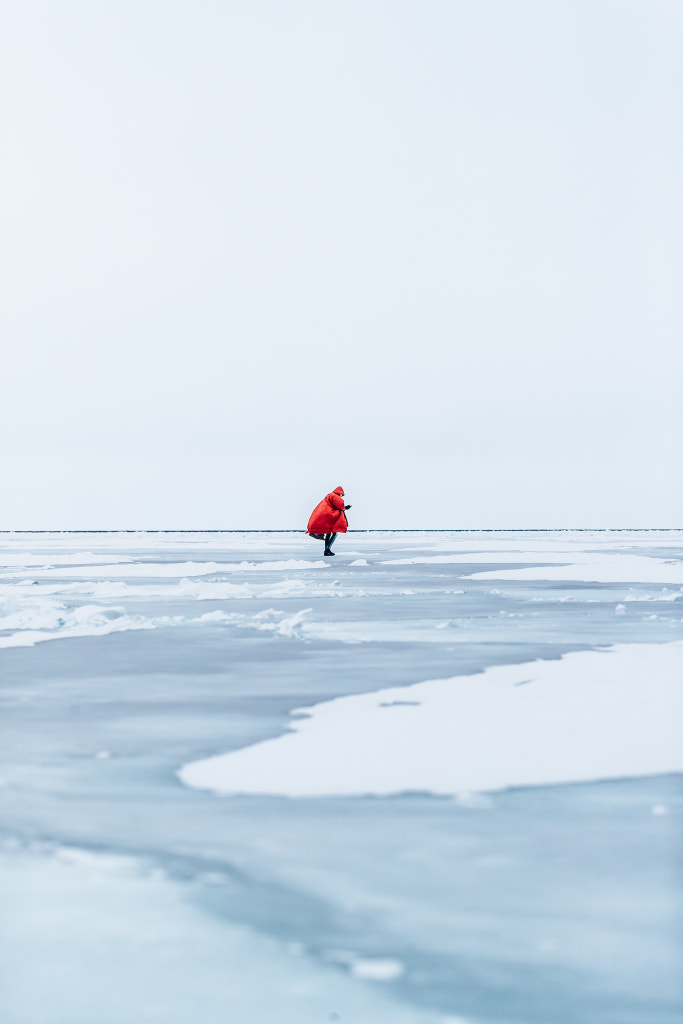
x=589 y=716
x=486 y=659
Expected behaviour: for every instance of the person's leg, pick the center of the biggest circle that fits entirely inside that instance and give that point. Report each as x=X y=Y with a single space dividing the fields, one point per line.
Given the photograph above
x=329 y=541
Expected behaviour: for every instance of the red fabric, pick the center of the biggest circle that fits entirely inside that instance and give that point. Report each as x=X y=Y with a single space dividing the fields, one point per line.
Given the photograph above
x=329 y=515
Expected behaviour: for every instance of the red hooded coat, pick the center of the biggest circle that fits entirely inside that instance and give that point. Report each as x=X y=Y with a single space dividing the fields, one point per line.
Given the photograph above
x=329 y=515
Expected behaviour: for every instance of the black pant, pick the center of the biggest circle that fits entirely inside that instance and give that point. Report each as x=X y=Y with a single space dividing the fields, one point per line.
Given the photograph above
x=329 y=540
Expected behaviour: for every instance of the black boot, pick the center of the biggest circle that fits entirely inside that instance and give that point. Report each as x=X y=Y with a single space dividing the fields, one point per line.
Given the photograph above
x=329 y=551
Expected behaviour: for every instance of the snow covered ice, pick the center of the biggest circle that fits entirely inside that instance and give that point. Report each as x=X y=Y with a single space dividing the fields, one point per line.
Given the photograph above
x=584 y=718
x=434 y=781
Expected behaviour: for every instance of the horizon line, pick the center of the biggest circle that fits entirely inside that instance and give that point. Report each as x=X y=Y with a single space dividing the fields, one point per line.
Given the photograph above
x=389 y=529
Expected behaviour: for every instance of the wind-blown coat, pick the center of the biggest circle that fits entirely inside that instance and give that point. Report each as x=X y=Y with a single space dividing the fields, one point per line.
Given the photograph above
x=329 y=515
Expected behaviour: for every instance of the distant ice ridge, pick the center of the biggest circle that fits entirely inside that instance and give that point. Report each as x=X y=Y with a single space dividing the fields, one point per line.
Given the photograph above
x=52 y=621
x=31 y=614
x=589 y=715
x=48 y=620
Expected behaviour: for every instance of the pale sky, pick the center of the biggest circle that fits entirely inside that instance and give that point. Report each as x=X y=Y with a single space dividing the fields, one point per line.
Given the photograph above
x=428 y=250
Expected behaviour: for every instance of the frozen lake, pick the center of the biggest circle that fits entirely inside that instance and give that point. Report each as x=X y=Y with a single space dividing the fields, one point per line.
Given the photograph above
x=435 y=779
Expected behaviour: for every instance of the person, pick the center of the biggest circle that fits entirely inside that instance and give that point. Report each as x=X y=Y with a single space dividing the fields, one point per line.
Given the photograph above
x=328 y=518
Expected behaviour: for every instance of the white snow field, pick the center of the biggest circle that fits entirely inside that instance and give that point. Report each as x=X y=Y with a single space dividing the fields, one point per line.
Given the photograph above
x=435 y=779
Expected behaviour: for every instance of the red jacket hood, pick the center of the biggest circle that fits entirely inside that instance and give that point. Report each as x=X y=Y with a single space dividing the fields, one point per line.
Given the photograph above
x=338 y=490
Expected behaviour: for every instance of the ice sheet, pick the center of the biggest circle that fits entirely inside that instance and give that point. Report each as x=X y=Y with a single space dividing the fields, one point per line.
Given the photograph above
x=39 y=602
x=101 y=938
x=528 y=905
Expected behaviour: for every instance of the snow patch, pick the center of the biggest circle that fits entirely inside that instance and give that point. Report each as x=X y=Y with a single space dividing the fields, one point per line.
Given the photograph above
x=10 y=558
x=582 y=566
x=589 y=715
x=377 y=970
x=608 y=569
x=150 y=570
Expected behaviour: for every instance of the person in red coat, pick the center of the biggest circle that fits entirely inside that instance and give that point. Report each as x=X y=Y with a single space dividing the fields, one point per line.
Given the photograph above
x=328 y=518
